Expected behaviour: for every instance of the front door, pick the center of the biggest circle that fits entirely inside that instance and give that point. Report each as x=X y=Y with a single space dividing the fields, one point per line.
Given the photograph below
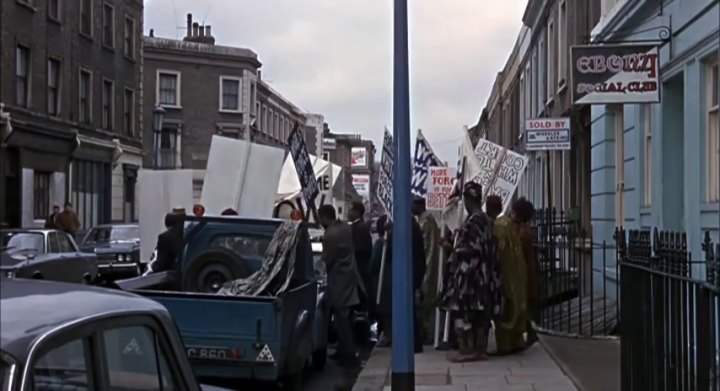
x=10 y=215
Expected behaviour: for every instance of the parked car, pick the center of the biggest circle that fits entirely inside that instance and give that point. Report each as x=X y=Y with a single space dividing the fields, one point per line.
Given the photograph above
x=58 y=336
x=117 y=247
x=45 y=254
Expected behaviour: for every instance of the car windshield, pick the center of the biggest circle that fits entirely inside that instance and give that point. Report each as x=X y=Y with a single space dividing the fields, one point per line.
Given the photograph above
x=14 y=242
x=124 y=233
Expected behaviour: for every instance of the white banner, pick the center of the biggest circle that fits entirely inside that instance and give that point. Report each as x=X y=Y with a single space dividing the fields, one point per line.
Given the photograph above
x=440 y=182
x=500 y=170
x=361 y=183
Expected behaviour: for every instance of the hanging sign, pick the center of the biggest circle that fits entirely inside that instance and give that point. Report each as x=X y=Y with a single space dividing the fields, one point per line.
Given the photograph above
x=303 y=166
x=547 y=134
x=385 y=185
x=615 y=74
x=500 y=170
x=440 y=182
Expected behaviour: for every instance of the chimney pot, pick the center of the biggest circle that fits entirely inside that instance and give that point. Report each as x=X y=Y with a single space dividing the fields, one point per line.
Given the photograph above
x=201 y=31
x=195 y=28
x=208 y=31
x=152 y=33
x=189 y=26
x=259 y=74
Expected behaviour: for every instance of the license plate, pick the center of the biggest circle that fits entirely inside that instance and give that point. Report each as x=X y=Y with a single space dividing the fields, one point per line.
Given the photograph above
x=213 y=353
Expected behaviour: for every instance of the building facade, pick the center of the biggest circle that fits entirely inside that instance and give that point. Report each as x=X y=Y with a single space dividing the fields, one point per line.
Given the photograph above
x=658 y=164
x=534 y=84
x=71 y=91
x=205 y=90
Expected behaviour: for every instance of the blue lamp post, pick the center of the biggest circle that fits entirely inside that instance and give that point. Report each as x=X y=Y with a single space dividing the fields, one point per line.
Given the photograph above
x=403 y=297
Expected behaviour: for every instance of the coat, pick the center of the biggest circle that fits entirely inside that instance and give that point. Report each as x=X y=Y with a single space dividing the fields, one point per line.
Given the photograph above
x=169 y=245
x=362 y=243
x=339 y=256
x=67 y=221
x=418 y=259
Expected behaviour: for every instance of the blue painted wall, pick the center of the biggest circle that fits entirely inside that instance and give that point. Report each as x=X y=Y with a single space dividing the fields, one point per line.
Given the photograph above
x=678 y=133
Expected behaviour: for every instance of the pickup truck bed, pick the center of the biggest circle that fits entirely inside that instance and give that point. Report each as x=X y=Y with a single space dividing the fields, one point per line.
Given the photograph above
x=241 y=337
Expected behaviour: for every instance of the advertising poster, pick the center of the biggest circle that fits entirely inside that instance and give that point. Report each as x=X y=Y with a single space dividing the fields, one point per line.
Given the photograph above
x=358 y=157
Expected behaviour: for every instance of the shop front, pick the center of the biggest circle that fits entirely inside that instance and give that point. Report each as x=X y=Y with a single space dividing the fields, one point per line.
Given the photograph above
x=91 y=184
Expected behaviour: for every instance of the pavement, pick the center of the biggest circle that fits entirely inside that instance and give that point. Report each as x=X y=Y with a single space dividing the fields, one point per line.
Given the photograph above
x=533 y=370
x=592 y=364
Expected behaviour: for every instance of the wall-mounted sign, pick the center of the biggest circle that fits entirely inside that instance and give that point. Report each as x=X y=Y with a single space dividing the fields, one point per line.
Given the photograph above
x=547 y=134
x=361 y=183
x=358 y=157
x=610 y=74
x=329 y=143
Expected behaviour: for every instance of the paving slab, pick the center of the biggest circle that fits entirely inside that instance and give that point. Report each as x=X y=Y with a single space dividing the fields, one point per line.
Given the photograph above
x=592 y=364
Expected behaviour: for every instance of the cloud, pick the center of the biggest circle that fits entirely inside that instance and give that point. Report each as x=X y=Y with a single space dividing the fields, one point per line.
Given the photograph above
x=336 y=57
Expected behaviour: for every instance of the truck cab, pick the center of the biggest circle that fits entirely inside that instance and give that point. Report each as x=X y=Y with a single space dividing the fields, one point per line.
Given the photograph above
x=267 y=335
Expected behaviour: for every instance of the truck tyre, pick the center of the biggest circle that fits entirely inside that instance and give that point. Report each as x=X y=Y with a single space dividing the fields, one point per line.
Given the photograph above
x=319 y=359
x=211 y=269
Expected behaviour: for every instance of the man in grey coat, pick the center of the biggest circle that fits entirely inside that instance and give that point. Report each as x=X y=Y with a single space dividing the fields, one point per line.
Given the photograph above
x=342 y=279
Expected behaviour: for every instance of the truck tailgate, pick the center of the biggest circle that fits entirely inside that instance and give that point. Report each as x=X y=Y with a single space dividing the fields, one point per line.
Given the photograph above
x=199 y=315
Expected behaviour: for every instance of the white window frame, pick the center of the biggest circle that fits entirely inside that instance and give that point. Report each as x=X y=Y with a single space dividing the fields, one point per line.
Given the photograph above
x=178 y=88
x=111 y=7
x=55 y=8
x=92 y=21
x=712 y=139
x=647 y=154
x=111 y=105
x=58 y=87
x=132 y=37
x=619 y=131
x=220 y=94
x=562 y=43
x=551 y=61
x=89 y=118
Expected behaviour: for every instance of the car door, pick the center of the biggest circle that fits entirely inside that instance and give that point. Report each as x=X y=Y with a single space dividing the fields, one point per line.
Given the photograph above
x=126 y=353
x=54 y=267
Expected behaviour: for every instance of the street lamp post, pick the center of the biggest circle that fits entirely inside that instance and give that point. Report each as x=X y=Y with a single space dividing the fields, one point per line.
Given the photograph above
x=403 y=295
x=158 y=117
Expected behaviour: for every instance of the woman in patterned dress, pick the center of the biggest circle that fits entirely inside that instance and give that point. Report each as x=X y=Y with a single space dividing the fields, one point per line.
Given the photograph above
x=472 y=285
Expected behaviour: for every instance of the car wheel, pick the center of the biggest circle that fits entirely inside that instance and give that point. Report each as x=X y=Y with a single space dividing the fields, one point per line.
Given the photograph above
x=319 y=359
x=213 y=268
x=37 y=276
x=87 y=279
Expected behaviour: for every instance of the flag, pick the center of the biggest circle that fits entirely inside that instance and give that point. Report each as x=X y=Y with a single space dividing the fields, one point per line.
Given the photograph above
x=468 y=170
x=424 y=158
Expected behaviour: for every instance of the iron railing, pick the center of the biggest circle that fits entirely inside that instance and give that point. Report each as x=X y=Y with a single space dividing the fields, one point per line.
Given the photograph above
x=669 y=308
x=576 y=296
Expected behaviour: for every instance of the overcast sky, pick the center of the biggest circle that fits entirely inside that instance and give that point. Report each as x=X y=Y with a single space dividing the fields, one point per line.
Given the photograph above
x=334 y=57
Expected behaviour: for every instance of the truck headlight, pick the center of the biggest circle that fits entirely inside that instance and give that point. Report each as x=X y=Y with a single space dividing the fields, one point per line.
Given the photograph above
x=10 y=274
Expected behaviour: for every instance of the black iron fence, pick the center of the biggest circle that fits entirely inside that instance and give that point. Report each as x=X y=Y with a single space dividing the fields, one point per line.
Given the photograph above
x=576 y=294
x=669 y=308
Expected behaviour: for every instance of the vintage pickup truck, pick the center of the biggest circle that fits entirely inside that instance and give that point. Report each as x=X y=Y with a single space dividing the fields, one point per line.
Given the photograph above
x=229 y=337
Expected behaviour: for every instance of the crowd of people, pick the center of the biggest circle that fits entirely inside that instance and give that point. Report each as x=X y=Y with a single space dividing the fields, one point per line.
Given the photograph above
x=490 y=279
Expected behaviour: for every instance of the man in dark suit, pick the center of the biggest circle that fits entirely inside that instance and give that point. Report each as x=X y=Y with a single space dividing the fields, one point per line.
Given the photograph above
x=362 y=242
x=342 y=280
x=169 y=244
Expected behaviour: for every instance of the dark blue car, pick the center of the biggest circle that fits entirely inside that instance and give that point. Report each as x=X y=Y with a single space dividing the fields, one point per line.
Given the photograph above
x=117 y=247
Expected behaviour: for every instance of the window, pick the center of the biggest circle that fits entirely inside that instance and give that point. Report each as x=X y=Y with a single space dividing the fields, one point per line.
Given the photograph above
x=64 y=242
x=86 y=17
x=129 y=112
x=53 y=86
x=53 y=9
x=619 y=125
x=562 y=58
x=65 y=367
x=264 y=120
x=647 y=149
x=244 y=245
x=108 y=25
x=41 y=194
x=276 y=125
x=85 y=94
x=257 y=110
x=229 y=93
x=22 y=76
x=551 y=61
x=168 y=88
x=326 y=156
x=168 y=148
x=253 y=103
x=135 y=360
x=108 y=89
x=542 y=95
x=129 y=38
x=713 y=132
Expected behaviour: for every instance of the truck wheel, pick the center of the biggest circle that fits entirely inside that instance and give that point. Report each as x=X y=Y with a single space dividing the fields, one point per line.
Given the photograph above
x=211 y=269
x=319 y=359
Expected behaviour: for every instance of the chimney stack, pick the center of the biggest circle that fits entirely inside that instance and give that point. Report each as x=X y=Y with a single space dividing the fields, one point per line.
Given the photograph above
x=189 y=26
x=201 y=32
x=259 y=75
x=195 y=28
x=208 y=31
